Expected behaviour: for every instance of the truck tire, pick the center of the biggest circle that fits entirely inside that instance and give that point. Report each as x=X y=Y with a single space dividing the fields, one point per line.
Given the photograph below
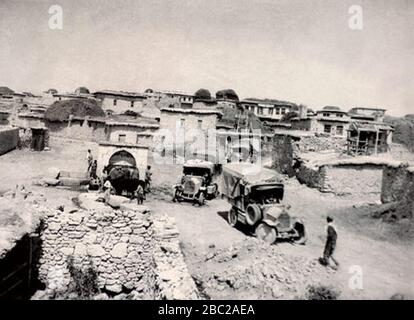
x=266 y=233
x=232 y=217
x=302 y=236
x=253 y=214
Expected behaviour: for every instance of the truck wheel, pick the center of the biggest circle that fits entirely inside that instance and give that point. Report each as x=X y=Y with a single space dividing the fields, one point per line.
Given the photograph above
x=266 y=233
x=253 y=214
x=232 y=217
x=216 y=192
x=201 y=199
x=302 y=236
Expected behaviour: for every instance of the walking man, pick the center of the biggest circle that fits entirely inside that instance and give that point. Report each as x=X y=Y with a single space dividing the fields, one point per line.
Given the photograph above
x=330 y=244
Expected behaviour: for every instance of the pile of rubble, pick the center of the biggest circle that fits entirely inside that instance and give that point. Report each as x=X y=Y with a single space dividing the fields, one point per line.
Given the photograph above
x=257 y=270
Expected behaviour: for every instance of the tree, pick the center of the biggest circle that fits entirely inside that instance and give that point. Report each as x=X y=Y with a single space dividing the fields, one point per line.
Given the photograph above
x=289 y=116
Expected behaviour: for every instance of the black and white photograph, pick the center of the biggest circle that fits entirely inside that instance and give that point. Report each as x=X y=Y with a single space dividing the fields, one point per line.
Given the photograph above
x=213 y=151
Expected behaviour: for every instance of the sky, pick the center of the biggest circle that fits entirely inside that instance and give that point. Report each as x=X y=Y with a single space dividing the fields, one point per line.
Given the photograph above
x=296 y=50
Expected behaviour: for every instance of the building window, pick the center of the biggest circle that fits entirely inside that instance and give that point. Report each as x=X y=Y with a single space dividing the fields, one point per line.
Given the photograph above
x=327 y=128
x=114 y=102
x=122 y=138
x=277 y=110
x=199 y=124
x=182 y=123
x=326 y=114
x=270 y=111
x=340 y=115
x=283 y=111
x=339 y=130
x=132 y=104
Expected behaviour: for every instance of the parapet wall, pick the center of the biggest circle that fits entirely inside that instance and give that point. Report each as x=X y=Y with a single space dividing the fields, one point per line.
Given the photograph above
x=9 y=139
x=130 y=252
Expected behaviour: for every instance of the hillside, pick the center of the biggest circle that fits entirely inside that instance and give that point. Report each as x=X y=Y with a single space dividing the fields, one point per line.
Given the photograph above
x=404 y=130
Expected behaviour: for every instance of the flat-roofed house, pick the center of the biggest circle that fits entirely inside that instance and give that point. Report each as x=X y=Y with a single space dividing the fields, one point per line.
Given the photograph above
x=332 y=120
x=267 y=109
x=120 y=101
x=367 y=114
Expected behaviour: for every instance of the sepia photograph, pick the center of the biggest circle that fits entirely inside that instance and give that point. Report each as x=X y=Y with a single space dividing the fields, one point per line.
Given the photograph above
x=222 y=151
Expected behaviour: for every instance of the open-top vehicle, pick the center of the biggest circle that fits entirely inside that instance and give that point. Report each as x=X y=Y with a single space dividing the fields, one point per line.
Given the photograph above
x=196 y=183
x=255 y=194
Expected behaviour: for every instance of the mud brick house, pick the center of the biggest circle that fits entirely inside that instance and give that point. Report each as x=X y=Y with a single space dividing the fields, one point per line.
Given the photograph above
x=367 y=114
x=119 y=101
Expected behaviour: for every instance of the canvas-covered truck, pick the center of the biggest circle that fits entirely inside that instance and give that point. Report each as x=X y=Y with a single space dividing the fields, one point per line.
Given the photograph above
x=255 y=195
x=196 y=183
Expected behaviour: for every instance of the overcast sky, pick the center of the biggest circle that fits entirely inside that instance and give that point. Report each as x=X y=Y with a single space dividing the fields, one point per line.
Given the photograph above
x=301 y=51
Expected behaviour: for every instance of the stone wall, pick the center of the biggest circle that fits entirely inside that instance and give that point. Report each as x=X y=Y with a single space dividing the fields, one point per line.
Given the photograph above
x=130 y=253
x=78 y=129
x=398 y=187
x=364 y=180
x=9 y=139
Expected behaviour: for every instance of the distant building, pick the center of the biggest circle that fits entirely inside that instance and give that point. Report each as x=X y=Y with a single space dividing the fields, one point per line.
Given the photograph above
x=367 y=114
x=119 y=101
x=267 y=109
x=368 y=138
x=184 y=100
x=190 y=122
x=135 y=131
x=332 y=120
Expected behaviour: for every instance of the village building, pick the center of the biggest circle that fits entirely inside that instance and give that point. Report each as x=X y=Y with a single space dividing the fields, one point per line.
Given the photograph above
x=119 y=101
x=367 y=114
x=267 y=109
x=135 y=131
x=332 y=120
x=227 y=98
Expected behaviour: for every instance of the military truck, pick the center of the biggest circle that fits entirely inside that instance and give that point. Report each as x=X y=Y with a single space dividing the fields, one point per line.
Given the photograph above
x=255 y=195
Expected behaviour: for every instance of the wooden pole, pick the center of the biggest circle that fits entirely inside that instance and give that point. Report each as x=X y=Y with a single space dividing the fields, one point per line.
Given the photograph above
x=376 y=142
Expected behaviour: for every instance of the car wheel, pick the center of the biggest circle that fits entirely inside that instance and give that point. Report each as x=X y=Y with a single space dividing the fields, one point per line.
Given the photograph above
x=301 y=231
x=201 y=199
x=266 y=233
x=232 y=217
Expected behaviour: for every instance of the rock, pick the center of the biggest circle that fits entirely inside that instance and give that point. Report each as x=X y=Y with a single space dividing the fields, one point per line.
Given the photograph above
x=136 y=239
x=80 y=249
x=120 y=250
x=95 y=250
x=114 y=288
x=101 y=296
x=67 y=251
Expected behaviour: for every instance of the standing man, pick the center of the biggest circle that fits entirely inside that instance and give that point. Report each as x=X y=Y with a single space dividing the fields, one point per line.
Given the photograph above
x=139 y=193
x=89 y=158
x=330 y=244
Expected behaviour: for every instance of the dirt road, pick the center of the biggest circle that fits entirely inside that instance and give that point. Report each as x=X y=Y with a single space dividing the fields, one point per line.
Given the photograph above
x=386 y=265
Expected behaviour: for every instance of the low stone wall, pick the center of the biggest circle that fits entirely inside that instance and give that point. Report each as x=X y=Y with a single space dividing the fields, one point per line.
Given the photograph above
x=343 y=179
x=128 y=251
x=9 y=139
x=364 y=180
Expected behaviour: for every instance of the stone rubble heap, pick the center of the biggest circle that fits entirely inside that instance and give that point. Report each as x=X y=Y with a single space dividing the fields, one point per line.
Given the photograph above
x=259 y=271
x=121 y=247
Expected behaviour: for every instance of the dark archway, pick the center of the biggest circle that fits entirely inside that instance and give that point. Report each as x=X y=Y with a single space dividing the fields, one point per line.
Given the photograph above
x=123 y=158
